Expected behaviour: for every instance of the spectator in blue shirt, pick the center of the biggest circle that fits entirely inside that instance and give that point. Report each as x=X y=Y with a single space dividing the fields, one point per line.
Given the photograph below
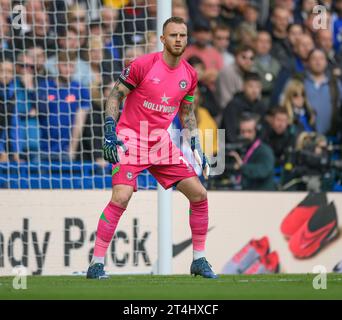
x=337 y=25
x=63 y=105
x=324 y=93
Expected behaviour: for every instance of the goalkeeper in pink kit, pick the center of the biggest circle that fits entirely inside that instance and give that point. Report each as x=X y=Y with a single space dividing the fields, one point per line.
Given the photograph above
x=156 y=86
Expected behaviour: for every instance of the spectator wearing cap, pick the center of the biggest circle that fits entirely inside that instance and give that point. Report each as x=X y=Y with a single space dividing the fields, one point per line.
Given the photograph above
x=265 y=65
x=324 y=40
x=230 y=78
x=249 y=100
x=324 y=93
x=221 y=41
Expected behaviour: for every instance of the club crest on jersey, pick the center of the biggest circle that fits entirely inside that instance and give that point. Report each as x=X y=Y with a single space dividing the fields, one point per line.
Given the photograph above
x=129 y=175
x=183 y=84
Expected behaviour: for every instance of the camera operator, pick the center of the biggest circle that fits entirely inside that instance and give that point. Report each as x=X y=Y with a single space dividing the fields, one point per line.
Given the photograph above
x=311 y=166
x=256 y=166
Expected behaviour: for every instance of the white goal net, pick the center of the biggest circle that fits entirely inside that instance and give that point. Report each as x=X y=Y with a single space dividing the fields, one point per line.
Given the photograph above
x=58 y=62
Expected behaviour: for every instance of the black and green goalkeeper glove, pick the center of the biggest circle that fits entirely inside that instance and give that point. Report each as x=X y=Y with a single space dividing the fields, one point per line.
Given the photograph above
x=111 y=142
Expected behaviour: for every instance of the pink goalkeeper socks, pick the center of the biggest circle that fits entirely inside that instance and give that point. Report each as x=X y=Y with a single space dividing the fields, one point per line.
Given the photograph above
x=106 y=228
x=199 y=223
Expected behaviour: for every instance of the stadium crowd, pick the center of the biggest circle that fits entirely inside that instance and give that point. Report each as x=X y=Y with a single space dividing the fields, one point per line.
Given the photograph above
x=269 y=74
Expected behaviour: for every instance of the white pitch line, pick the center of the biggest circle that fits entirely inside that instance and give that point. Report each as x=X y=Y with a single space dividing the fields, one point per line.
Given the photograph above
x=280 y=280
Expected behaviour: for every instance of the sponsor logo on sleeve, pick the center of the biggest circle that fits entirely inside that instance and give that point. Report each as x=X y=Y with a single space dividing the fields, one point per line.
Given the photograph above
x=125 y=73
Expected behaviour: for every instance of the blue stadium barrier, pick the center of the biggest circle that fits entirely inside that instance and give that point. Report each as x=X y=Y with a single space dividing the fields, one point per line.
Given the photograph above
x=75 y=175
x=64 y=175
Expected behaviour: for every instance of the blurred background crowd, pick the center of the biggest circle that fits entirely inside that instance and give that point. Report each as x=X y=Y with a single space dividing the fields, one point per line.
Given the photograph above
x=269 y=73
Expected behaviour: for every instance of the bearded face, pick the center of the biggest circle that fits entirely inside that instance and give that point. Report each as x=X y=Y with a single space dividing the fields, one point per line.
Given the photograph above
x=175 y=38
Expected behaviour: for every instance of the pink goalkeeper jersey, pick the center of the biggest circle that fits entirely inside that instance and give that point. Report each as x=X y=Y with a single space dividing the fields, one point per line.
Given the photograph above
x=157 y=92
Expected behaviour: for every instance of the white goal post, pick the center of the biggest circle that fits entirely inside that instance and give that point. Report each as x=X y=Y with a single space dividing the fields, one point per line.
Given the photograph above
x=164 y=11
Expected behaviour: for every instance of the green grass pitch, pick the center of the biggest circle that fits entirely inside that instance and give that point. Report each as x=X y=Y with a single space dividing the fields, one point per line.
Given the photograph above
x=148 y=287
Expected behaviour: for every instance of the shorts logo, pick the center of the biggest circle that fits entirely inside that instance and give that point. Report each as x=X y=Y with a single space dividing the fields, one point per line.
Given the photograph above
x=183 y=84
x=129 y=175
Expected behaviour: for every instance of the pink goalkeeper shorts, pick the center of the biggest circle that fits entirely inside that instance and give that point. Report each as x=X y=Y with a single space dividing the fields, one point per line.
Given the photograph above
x=177 y=168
